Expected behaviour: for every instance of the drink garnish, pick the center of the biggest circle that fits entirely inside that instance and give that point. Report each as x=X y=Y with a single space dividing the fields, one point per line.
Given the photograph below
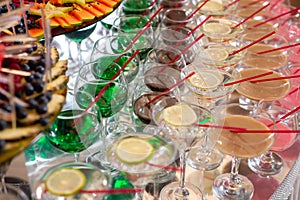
x=65 y=182
x=134 y=150
x=179 y=115
x=206 y=79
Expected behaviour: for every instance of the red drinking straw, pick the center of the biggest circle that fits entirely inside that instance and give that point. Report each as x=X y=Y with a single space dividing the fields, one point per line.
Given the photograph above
x=170 y=168
x=182 y=52
x=196 y=10
x=154 y=15
x=137 y=36
x=294 y=90
x=286 y=115
x=273 y=18
x=106 y=86
x=279 y=48
x=221 y=127
x=170 y=88
x=230 y=4
x=248 y=78
x=275 y=79
x=252 y=43
x=114 y=191
x=250 y=16
x=267 y=131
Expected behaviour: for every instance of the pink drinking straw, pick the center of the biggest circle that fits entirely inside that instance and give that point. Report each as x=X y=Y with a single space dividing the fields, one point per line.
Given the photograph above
x=100 y=94
x=252 y=43
x=277 y=49
x=276 y=17
x=250 y=16
x=275 y=79
x=248 y=78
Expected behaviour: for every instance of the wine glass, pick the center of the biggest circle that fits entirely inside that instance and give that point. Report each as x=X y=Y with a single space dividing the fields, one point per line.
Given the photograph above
x=136 y=28
x=78 y=36
x=102 y=83
x=71 y=180
x=140 y=156
x=75 y=129
x=116 y=47
x=239 y=145
x=178 y=121
x=215 y=7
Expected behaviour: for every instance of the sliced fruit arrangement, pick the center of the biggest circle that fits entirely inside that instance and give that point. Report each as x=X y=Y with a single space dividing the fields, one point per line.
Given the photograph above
x=68 y=15
x=29 y=103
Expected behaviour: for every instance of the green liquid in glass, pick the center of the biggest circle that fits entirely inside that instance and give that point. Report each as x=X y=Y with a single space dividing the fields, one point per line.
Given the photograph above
x=81 y=34
x=120 y=182
x=74 y=138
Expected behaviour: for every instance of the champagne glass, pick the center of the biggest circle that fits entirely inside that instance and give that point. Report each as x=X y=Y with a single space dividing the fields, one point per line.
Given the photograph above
x=135 y=27
x=70 y=180
x=216 y=7
x=240 y=145
x=75 y=129
x=140 y=156
x=115 y=46
x=99 y=82
x=78 y=36
x=178 y=122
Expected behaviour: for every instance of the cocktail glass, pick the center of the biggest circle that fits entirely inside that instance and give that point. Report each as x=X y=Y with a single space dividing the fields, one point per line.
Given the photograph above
x=247 y=7
x=223 y=28
x=140 y=156
x=253 y=33
x=178 y=122
x=75 y=129
x=215 y=7
x=272 y=60
x=173 y=3
x=239 y=145
x=102 y=83
x=136 y=28
x=180 y=38
x=116 y=47
x=71 y=180
x=216 y=54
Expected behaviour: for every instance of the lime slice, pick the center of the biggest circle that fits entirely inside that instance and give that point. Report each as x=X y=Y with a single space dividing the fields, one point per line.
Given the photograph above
x=217 y=27
x=180 y=115
x=216 y=54
x=134 y=150
x=212 y=6
x=206 y=80
x=65 y=182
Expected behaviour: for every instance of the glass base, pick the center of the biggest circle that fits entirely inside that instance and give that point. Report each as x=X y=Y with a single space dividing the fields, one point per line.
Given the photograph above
x=172 y=191
x=266 y=165
x=14 y=193
x=200 y=159
x=242 y=190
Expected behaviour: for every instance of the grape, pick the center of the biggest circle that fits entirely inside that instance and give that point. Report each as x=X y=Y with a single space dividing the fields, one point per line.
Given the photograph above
x=21 y=113
x=2 y=144
x=32 y=103
x=43 y=99
x=29 y=89
x=41 y=108
x=44 y=121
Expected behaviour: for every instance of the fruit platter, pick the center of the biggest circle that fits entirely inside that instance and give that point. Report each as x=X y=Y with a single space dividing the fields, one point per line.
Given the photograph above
x=33 y=87
x=65 y=15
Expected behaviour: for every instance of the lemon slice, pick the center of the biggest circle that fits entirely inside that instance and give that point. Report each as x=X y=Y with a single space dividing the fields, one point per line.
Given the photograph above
x=212 y=6
x=180 y=115
x=206 y=80
x=134 y=150
x=217 y=27
x=65 y=182
x=216 y=54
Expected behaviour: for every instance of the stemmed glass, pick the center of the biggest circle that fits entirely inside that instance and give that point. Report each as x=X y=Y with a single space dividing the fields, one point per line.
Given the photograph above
x=239 y=145
x=140 y=156
x=178 y=122
x=101 y=83
x=78 y=36
x=70 y=180
x=116 y=47
x=216 y=7
x=75 y=129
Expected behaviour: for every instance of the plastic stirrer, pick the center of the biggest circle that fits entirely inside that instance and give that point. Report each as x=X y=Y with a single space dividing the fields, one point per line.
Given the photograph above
x=279 y=48
x=248 y=78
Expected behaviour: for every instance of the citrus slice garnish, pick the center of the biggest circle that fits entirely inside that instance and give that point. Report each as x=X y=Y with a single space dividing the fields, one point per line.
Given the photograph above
x=65 y=182
x=180 y=115
x=212 y=6
x=216 y=54
x=134 y=150
x=217 y=27
x=206 y=79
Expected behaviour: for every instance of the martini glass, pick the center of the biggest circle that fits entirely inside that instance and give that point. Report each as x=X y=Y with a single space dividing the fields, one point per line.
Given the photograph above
x=70 y=180
x=140 y=156
x=240 y=145
x=178 y=122
x=216 y=7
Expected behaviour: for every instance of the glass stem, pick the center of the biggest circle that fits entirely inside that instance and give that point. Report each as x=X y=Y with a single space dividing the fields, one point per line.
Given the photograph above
x=234 y=180
x=3 y=169
x=80 y=60
x=76 y=157
x=182 y=158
